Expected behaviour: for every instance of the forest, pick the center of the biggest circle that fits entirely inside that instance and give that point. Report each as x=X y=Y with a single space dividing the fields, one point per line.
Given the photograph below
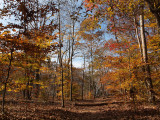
x=79 y=59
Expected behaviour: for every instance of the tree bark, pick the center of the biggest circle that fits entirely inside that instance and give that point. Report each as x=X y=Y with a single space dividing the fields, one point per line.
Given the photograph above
x=60 y=54
x=83 y=78
x=155 y=9
x=72 y=54
x=28 y=89
x=37 y=85
x=137 y=36
x=6 y=80
x=148 y=79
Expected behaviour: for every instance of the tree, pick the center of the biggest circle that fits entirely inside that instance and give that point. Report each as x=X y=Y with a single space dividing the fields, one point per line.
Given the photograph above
x=120 y=15
x=28 y=44
x=60 y=54
x=155 y=9
x=145 y=59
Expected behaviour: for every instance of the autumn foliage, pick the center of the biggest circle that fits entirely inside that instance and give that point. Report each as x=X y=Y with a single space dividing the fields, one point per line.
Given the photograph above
x=117 y=43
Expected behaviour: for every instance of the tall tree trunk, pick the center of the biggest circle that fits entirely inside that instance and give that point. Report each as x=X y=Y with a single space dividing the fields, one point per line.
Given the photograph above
x=137 y=36
x=72 y=54
x=140 y=49
x=71 y=79
x=83 y=78
x=54 y=87
x=37 y=70
x=90 y=82
x=69 y=59
x=28 y=89
x=92 y=79
x=82 y=85
x=6 y=80
x=60 y=54
x=148 y=79
x=69 y=53
x=37 y=85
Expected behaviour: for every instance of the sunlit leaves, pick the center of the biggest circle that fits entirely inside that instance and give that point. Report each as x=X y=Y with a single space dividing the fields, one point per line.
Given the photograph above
x=90 y=24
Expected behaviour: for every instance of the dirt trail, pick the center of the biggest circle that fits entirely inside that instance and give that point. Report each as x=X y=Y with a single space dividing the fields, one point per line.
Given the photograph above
x=98 y=109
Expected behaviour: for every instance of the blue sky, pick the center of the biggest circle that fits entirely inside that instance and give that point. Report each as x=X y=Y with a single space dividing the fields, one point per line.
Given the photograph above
x=77 y=61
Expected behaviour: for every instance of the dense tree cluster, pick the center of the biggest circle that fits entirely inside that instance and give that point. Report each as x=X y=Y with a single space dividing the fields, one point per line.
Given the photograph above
x=126 y=63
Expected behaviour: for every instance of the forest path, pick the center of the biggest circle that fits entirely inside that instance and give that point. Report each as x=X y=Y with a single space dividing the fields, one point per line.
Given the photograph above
x=98 y=109
x=108 y=109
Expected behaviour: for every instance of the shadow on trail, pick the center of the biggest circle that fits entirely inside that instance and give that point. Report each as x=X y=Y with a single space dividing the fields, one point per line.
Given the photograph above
x=105 y=115
x=61 y=114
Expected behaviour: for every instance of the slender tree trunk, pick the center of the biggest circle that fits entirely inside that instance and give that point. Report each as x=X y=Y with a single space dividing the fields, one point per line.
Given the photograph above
x=148 y=79
x=82 y=85
x=24 y=93
x=37 y=70
x=83 y=78
x=69 y=53
x=72 y=54
x=140 y=48
x=137 y=36
x=60 y=54
x=92 y=90
x=6 y=80
x=29 y=83
x=90 y=79
x=62 y=84
x=71 y=80
x=28 y=89
x=37 y=85
x=69 y=59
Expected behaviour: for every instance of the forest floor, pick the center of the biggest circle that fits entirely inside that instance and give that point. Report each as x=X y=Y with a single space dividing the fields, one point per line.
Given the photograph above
x=98 y=109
